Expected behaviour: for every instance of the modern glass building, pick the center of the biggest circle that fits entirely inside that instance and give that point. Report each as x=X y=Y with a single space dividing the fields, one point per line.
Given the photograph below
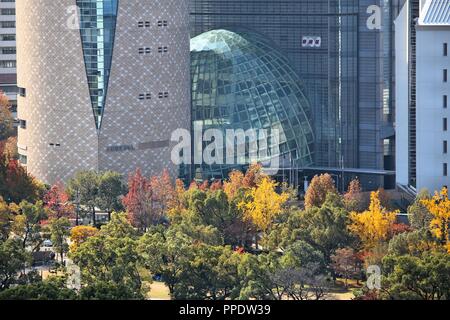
x=343 y=52
x=241 y=81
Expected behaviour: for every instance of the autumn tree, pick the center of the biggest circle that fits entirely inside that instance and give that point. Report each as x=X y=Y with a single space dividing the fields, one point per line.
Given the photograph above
x=5 y=220
x=318 y=190
x=346 y=264
x=265 y=204
x=57 y=201
x=374 y=225
x=16 y=184
x=139 y=202
x=163 y=192
x=6 y=118
x=80 y=234
x=354 y=198
x=439 y=207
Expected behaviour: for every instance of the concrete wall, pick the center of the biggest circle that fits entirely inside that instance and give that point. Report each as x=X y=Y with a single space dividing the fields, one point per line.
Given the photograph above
x=430 y=112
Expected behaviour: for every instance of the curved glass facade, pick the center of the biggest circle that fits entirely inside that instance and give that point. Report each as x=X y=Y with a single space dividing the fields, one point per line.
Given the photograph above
x=241 y=81
x=97 y=26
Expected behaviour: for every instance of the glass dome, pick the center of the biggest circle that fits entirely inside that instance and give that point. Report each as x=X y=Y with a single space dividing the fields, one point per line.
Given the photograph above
x=241 y=81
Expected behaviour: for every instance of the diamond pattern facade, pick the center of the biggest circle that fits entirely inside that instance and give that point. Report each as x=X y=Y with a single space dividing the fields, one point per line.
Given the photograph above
x=61 y=135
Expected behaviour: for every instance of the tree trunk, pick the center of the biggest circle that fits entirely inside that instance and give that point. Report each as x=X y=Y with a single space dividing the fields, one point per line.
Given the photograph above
x=94 y=220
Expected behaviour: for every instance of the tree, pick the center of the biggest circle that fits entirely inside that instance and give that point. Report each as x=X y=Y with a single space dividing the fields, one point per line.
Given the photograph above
x=270 y=277
x=16 y=184
x=412 y=243
x=80 y=234
x=354 y=198
x=27 y=223
x=53 y=288
x=13 y=259
x=418 y=214
x=163 y=192
x=325 y=229
x=11 y=150
x=6 y=118
x=5 y=220
x=439 y=207
x=139 y=202
x=60 y=231
x=426 y=277
x=111 y=257
x=57 y=201
x=265 y=204
x=374 y=225
x=318 y=190
x=84 y=188
x=346 y=264
x=110 y=190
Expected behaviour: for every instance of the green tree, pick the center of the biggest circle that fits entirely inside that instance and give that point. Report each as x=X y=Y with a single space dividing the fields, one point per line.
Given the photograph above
x=324 y=228
x=27 y=223
x=111 y=257
x=417 y=278
x=418 y=214
x=110 y=190
x=84 y=188
x=60 y=231
x=53 y=288
x=13 y=259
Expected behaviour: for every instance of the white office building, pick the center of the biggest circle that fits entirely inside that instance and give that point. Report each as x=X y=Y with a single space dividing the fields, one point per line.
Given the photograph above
x=8 y=77
x=423 y=87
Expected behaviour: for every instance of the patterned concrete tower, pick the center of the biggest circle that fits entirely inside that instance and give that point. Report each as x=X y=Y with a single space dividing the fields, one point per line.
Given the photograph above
x=102 y=84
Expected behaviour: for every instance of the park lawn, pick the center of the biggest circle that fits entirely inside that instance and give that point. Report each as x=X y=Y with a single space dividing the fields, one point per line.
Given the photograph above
x=159 y=291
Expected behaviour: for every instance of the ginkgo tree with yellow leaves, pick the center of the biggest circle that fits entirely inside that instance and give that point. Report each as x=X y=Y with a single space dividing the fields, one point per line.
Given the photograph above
x=373 y=225
x=264 y=204
x=439 y=207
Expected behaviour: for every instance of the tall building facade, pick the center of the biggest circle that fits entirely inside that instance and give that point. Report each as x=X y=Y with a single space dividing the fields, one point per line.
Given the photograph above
x=343 y=50
x=8 y=76
x=102 y=84
x=423 y=86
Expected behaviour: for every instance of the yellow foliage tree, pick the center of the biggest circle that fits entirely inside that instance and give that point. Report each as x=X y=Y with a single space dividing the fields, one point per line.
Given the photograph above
x=80 y=234
x=439 y=207
x=264 y=204
x=374 y=225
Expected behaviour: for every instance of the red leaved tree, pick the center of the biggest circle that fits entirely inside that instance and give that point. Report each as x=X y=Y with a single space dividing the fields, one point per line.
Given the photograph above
x=57 y=200
x=139 y=202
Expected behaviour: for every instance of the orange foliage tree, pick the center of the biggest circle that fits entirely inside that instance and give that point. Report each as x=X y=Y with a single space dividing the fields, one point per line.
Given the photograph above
x=318 y=190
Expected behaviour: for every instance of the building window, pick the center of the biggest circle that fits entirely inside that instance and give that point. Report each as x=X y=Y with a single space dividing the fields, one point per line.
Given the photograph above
x=445 y=170
x=445 y=49
x=445 y=147
x=23 y=124
x=445 y=101
x=445 y=75
x=445 y=124
x=23 y=159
